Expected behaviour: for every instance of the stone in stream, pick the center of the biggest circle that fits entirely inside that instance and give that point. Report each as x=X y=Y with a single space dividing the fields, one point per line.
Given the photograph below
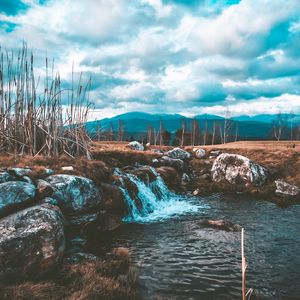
x=113 y=199
x=221 y=225
x=15 y=195
x=238 y=169
x=170 y=176
x=76 y=195
x=178 y=153
x=286 y=190
x=32 y=242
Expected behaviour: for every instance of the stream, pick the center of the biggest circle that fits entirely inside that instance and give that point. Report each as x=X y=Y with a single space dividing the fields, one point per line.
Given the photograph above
x=178 y=258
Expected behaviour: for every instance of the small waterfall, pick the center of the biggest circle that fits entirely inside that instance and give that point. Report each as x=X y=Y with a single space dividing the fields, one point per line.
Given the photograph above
x=153 y=200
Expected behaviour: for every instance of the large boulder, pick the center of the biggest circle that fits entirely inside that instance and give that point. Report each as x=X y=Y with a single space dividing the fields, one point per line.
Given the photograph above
x=238 y=169
x=32 y=242
x=15 y=195
x=178 y=153
x=136 y=146
x=287 y=190
x=76 y=195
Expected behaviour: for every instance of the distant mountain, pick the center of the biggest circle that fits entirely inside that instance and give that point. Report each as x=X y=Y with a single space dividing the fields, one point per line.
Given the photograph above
x=136 y=124
x=267 y=118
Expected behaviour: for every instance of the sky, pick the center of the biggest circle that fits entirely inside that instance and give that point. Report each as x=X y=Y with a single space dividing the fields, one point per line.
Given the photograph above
x=167 y=56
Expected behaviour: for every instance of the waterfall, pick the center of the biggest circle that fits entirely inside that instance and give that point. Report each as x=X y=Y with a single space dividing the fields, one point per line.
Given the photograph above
x=153 y=200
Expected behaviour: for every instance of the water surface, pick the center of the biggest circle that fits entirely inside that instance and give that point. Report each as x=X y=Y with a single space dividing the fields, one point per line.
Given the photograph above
x=180 y=259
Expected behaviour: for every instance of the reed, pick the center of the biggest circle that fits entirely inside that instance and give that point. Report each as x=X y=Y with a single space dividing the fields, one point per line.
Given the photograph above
x=245 y=295
x=33 y=119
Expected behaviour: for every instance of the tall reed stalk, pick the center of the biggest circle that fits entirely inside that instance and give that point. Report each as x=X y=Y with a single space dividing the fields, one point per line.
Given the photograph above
x=33 y=120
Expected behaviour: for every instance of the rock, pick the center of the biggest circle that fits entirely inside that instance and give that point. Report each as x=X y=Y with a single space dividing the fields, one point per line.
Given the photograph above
x=76 y=195
x=15 y=195
x=26 y=179
x=178 y=153
x=83 y=219
x=80 y=257
x=200 y=153
x=238 y=169
x=48 y=200
x=145 y=173
x=215 y=152
x=196 y=192
x=135 y=146
x=19 y=172
x=44 y=188
x=204 y=177
x=108 y=222
x=167 y=161
x=285 y=189
x=221 y=225
x=32 y=242
x=5 y=177
x=185 y=178
x=113 y=199
x=170 y=176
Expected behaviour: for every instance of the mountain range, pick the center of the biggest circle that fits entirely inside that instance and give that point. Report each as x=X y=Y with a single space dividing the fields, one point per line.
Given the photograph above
x=248 y=127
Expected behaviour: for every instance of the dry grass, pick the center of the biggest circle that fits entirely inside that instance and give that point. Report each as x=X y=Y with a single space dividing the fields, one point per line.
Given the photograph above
x=112 y=278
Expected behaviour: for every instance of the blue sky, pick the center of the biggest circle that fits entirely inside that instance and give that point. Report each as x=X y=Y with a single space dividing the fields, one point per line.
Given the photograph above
x=171 y=56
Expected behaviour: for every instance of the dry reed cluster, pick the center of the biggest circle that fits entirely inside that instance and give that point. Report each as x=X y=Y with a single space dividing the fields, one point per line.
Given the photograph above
x=48 y=120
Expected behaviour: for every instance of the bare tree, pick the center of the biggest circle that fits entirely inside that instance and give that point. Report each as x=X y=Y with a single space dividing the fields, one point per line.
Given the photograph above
x=213 y=133
x=277 y=126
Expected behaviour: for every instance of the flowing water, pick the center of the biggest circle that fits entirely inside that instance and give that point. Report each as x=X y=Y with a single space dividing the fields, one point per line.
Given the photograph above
x=178 y=258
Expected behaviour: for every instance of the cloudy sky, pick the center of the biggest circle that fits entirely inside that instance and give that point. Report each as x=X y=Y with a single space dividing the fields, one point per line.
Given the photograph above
x=170 y=56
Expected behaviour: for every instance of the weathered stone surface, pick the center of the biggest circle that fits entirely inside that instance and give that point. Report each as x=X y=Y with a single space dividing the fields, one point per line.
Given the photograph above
x=221 y=225
x=136 y=146
x=170 y=176
x=285 y=189
x=200 y=153
x=44 y=188
x=113 y=199
x=238 y=169
x=15 y=195
x=178 y=153
x=32 y=242
x=19 y=172
x=144 y=173
x=185 y=178
x=215 y=152
x=5 y=177
x=76 y=195
x=167 y=161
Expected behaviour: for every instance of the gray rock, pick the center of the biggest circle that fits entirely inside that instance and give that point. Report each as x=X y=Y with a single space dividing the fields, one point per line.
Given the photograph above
x=185 y=178
x=178 y=153
x=32 y=242
x=15 y=195
x=5 y=177
x=76 y=195
x=215 y=152
x=136 y=146
x=204 y=176
x=285 y=189
x=238 y=169
x=167 y=161
x=200 y=153
x=44 y=188
x=19 y=172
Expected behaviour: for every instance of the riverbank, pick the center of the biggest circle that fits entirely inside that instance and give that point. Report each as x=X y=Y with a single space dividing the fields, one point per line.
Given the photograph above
x=77 y=203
